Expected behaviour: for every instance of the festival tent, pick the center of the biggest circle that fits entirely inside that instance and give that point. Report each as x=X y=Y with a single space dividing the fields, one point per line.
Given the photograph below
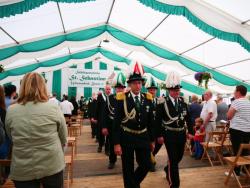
x=186 y=36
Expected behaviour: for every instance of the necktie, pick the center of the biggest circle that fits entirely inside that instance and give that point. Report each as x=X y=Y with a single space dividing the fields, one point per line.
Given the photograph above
x=176 y=104
x=137 y=103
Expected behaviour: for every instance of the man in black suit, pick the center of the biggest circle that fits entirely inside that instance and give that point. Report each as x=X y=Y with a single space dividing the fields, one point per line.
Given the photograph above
x=152 y=88
x=101 y=103
x=133 y=130
x=108 y=116
x=171 y=122
x=92 y=110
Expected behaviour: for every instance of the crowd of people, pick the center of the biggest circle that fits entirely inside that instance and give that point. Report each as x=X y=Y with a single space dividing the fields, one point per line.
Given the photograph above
x=127 y=123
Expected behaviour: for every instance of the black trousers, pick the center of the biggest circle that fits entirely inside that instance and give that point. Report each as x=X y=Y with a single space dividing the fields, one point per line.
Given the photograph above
x=239 y=137
x=93 y=129
x=132 y=178
x=175 y=145
x=53 y=181
x=112 y=155
x=157 y=148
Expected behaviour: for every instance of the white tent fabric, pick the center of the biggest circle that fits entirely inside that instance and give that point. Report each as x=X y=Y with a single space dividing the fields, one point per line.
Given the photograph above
x=170 y=32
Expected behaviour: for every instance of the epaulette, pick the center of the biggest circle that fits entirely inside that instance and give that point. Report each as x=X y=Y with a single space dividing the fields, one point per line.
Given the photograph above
x=160 y=100
x=120 y=96
x=149 y=96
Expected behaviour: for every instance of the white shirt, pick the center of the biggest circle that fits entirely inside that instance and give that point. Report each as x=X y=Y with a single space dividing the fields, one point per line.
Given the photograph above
x=209 y=106
x=133 y=95
x=173 y=100
x=241 y=118
x=66 y=107
x=53 y=100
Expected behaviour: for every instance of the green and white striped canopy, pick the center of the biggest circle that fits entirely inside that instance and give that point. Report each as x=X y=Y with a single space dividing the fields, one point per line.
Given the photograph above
x=186 y=36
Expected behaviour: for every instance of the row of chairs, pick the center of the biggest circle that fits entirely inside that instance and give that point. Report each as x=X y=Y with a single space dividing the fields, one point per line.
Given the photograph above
x=74 y=130
x=74 y=125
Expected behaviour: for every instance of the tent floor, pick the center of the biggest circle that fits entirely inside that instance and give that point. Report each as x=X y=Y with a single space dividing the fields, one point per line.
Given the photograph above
x=90 y=170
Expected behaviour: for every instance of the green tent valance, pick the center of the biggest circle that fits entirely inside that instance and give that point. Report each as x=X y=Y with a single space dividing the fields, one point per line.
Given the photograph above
x=121 y=36
x=181 y=10
x=27 y=5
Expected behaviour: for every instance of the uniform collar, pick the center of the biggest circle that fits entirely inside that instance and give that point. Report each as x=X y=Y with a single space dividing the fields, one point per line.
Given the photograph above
x=133 y=95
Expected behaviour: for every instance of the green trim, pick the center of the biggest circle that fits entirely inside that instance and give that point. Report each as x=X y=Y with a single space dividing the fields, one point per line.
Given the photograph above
x=72 y=92
x=87 y=91
x=27 y=5
x=103 y=66
x=181 y=10
x=56 y=83
x=114 y=57
x=119 y=35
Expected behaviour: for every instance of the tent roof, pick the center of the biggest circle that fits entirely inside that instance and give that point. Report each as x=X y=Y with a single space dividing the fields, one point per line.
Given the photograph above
x=209 y=35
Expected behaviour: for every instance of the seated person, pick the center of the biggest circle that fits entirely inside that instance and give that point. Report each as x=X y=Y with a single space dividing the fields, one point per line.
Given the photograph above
x=198 y=138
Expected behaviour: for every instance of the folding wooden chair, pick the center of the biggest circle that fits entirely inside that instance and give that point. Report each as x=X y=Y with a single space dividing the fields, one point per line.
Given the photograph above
x=73 y=140
x=69 y=161
x=215 y=143
x=237 y=161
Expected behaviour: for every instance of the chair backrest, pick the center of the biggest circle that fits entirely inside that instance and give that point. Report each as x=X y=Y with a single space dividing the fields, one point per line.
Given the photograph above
x=5 y=162
x=242 y=147
x=217 y=137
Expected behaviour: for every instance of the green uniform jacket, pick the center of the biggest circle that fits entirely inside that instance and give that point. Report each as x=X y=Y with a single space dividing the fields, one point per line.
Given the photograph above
x=38 y=132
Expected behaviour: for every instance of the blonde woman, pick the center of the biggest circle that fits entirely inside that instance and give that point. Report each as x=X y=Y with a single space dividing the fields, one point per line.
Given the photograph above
x=38 y=132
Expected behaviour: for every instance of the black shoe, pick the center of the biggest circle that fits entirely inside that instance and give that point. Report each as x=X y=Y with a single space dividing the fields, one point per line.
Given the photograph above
x=99 y=149
x=111 y=165
x=107 y=152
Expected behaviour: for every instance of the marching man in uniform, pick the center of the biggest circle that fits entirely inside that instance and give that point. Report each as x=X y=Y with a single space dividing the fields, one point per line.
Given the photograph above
x=152 y=88
x=171 y=121
x=133 y=129
x=108 y=116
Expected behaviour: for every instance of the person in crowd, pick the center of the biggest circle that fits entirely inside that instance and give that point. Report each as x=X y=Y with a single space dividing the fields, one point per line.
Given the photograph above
x=194 y=111
x=171 y=117
x=81 y=103
x=38 y=132
x=54 y=100
x=10 y=94
x=222 y=109
x=239 y=116
x=2 y=104
x=66 y=107
x=133 y=134
x=198 y=137
x=92 y=109
x=209 y=114
x=101 y=103
x=152 y=88
x=108 y=116
x=5 y=147
x=75 y=105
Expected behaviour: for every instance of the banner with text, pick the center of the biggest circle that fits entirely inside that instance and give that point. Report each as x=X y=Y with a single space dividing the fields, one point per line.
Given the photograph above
x=87 y=77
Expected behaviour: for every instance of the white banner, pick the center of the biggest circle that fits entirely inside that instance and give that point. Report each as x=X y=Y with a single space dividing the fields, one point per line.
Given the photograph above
x=87 y=77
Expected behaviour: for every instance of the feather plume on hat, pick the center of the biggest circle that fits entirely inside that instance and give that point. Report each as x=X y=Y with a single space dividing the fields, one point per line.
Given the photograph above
x=173 y=80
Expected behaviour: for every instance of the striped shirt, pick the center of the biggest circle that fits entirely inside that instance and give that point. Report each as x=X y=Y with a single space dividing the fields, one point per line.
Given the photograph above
x=241 y=118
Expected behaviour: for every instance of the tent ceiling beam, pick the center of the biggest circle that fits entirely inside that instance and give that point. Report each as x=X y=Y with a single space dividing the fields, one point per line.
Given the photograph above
x=232 y=63
x=69 y=51
x=156 y=26
x=37 y=60
x=129 y=53
x=197 y=46
x=60 y=13
x=245 y=22
x=100 y=44
x=9 y=35
x=112 y=6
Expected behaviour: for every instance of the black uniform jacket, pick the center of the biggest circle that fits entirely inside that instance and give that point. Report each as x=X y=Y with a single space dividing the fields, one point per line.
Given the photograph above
x=143 y=120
